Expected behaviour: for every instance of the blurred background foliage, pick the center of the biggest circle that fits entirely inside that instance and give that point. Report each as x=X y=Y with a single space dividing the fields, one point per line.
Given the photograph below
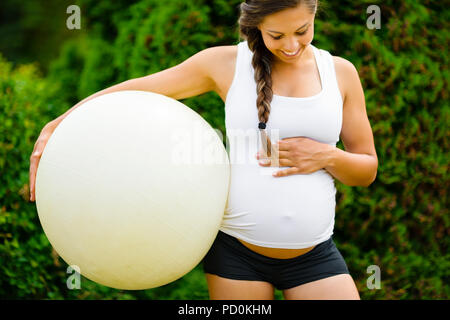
x=399 y=223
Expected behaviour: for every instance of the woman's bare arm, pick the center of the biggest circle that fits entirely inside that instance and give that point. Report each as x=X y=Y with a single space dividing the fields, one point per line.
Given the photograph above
x=192 y=77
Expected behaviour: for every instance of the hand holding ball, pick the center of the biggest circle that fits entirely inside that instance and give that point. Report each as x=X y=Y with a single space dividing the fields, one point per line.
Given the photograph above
x=125 y=192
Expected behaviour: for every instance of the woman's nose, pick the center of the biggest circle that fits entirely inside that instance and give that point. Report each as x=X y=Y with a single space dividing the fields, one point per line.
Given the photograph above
x=291 y=47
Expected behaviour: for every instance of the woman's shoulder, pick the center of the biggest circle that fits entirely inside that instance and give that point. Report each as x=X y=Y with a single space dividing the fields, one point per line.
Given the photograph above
x=220 y=61
x=221 y=58
x=343 y=64
x=221 y=52
x=346 y=73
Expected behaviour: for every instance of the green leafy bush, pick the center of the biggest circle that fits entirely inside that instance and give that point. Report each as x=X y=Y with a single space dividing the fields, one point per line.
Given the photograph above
x=27 y=102
x=399 y=223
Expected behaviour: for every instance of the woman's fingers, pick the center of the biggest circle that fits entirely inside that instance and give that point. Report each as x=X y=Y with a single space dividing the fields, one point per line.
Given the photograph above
x=35 y=157
x=268 y=161
x=34 y=161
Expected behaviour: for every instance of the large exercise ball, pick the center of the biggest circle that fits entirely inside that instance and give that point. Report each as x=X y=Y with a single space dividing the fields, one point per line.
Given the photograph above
x=131 y=188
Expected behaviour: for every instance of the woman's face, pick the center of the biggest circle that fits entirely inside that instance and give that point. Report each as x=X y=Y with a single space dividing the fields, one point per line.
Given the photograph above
x=288 y=32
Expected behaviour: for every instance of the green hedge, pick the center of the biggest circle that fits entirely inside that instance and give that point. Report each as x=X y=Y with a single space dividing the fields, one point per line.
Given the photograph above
x=27 y=102
x=399 y=223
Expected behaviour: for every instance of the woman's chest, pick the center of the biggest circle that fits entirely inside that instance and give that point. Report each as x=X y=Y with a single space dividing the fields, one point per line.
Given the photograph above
x=301 y=83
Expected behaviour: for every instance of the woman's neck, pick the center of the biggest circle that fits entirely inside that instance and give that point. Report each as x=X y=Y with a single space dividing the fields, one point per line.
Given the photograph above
x=305 y=58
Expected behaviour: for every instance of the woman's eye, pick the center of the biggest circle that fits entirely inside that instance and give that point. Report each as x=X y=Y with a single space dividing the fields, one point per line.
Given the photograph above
x=299 y=33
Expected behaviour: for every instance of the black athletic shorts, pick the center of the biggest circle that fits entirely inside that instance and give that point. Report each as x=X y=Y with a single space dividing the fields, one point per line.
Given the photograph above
x=229 y=258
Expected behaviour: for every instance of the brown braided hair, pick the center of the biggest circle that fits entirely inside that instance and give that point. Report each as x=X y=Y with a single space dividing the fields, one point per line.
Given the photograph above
x=252 y=13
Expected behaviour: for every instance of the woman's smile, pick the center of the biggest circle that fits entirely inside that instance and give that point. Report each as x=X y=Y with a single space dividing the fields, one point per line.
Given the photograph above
x=291 y=54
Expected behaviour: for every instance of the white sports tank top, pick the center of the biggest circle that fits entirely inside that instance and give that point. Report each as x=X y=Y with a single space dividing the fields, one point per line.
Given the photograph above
x=295 y=211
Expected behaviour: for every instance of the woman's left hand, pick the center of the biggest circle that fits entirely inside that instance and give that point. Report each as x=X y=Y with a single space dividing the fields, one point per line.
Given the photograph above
x=303 y=155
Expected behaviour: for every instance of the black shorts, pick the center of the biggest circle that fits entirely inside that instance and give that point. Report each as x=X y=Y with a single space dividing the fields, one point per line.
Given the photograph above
x=229 y=258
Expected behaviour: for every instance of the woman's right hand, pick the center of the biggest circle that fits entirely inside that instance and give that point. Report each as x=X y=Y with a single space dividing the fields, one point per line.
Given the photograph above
x=39 y=146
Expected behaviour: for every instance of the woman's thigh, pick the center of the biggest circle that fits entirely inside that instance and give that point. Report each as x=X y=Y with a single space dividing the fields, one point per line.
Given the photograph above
x=229 y=289
x=339 y=287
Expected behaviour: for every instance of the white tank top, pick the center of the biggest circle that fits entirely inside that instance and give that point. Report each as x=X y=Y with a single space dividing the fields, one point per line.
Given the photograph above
x=295 y=211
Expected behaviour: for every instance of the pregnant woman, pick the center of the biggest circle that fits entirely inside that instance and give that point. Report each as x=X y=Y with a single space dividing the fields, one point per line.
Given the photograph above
x=287 y=104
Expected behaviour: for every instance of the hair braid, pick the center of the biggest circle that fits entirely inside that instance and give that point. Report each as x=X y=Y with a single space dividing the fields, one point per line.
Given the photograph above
x=262 y=64
x=252 y=13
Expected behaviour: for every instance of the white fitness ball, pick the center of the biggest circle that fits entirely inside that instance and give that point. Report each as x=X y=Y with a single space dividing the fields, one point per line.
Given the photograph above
x=131 y=188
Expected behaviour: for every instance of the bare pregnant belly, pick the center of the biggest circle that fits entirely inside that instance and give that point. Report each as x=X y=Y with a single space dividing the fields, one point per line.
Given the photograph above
x=277 y=253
